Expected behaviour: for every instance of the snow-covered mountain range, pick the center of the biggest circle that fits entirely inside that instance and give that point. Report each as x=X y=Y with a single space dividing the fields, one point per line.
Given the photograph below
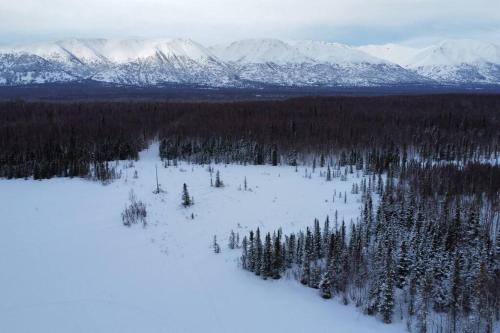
x=251 y=62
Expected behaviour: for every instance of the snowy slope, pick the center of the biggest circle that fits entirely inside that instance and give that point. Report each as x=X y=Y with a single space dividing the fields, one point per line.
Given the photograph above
x=327 y=74
x=310 y=63
x=21 y=68
x=132 y=61
x=465 y=61
x=159 y=61
x=122 y=51
x=259 y=51
x=394 y=53
x=113 y=50
x=64 y=51
x=450 y=61
x=69 y=265
x=457 y=52
x=335 y=53
x=76 y=57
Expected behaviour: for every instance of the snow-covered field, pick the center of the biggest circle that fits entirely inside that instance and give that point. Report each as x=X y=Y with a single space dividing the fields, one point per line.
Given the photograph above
x=69 y=265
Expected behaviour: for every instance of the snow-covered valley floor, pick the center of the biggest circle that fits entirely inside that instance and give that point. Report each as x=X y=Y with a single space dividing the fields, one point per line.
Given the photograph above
x=69 y=265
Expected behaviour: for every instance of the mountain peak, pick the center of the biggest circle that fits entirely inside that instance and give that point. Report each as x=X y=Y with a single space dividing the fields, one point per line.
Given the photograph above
x=452 y=52
x=322 y=51
x=265 y=50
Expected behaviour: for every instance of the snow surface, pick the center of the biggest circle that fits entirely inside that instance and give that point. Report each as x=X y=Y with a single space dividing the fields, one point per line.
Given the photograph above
x=69 y=265
x=394 y=53
x=450 y=52
x=115 y=50
x=456 y=52
x=335 y=53
x=258 y=51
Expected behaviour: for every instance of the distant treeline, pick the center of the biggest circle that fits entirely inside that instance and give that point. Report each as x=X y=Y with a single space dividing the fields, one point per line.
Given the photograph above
x=47 y=139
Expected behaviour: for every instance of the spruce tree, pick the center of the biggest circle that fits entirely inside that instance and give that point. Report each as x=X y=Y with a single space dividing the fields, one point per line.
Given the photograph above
x=325 y=285
x=232 y=240
x=315 y=276
x=186 y=199
x=307 y=257
x=277 y=255
x=266 y=269
x=305 y=273
x=441 y=282
x=251 y=252
x=326 y=237
x=456 y=291
x=216 y=245
x=455 y=231
x=317 y=239
x=422 y=313
x=244 y=250
x=258 y=253
x=403 y=267
x=484 y=297
x=291 y=251
x=386 y=307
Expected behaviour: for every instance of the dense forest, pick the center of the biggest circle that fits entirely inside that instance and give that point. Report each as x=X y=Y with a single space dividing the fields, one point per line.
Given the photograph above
x=79 y=139
x=428 y=257
x=426 y=246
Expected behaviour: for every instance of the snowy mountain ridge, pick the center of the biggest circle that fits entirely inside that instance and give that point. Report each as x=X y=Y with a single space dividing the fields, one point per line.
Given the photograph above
x=250 y=62
x=461 y=61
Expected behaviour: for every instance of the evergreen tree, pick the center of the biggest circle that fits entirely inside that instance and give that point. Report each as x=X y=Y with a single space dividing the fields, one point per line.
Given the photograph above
x=368 y=216
x=290 y=250
x=441 y=282
x=244 y=255
x=315 y=276
x=306 y=259
x=455 y=231
x=216 y=245
x=422 y=313
x=386 y=307
x=326 y=237
x=456 y=290
x=277 y=255
x=232 y=240
x=317 y=241
x=251 y=252
x=186 y=199
x=325 y=285
x=328 y=174
x=266 y=268
x=403 y=267
x=258 y=253
x=305 y=270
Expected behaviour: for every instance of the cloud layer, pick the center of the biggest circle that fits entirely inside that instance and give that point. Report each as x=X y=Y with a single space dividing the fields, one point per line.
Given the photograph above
x=212 y=21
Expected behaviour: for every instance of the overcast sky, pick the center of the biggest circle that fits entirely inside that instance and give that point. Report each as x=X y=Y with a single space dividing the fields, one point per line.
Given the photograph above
x=213 y=21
